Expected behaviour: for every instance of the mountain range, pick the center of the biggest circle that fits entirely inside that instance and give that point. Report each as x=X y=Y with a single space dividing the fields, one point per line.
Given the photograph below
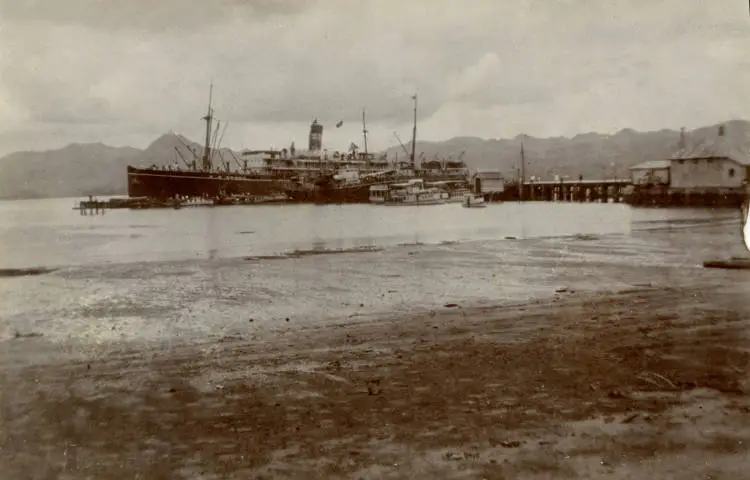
x=98 y=169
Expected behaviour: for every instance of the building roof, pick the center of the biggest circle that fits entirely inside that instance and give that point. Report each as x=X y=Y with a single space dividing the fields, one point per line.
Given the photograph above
x=718 y=147
x=489 y=174
x=651 y=165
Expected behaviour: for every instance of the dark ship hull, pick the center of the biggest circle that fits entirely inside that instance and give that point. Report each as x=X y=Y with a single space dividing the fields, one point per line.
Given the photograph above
x=162 y=184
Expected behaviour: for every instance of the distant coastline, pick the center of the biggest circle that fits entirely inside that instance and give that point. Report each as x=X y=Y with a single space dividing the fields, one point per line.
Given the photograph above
x=96 y=169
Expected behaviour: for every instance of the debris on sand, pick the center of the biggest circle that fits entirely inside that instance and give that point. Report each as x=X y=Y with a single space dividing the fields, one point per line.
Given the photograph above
x=18 y=334
x=451 y=305
x=561 y=289
x=232 y=337
x=373 y=386
x=21 y=272
x=454 y=456
x=510 y=444
x=630 y=417
x=734 y=263
x=652 y=377
x=616 y=394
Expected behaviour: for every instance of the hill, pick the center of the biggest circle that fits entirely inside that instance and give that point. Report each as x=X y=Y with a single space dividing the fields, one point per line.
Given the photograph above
x=75 y=170
x=86 y=169
x=83 y=169
x=592 y=155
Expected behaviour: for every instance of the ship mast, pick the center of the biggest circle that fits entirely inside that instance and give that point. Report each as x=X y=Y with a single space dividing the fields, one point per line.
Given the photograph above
x=522 y=175
x=208 y=119
x=364 y=130
x=414 y=133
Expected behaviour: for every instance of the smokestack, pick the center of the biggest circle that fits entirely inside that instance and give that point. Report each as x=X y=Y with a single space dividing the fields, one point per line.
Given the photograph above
x=315 y=141
x=682 y=138
x=721 y=130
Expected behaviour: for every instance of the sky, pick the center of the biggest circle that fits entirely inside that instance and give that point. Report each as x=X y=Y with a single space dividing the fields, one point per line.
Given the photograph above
x=123 y=73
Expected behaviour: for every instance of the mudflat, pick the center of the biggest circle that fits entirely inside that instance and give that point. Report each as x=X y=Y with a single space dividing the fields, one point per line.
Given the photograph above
x=646 y=383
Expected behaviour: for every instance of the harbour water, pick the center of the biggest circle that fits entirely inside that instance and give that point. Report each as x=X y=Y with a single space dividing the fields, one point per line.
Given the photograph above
x=195 y=274
x=48 y=233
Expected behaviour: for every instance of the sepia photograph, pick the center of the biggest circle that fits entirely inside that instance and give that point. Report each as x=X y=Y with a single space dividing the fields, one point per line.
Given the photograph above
x=202 y=277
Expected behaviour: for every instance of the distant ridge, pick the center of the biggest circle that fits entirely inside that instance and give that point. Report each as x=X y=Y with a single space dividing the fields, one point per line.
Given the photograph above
x=86 y=169
x=98 y=169
x=589 y=154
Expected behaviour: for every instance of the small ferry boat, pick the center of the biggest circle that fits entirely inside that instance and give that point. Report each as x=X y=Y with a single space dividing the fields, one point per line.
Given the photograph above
x=412 y=192
x=450 y=191
x=473 y=201
x=378 y=193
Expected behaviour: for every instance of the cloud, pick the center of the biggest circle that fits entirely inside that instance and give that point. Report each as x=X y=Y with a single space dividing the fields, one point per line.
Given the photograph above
x=481 y=68
x=148 y=15
x=490 y=81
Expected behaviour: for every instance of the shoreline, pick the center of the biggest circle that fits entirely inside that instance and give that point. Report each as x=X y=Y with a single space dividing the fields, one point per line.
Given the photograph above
x=182 y=301
x=17 y=350
x=646 y=382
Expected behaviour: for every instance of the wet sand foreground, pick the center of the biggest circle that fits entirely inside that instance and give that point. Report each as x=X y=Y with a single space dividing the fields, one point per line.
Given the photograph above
x=647 y=383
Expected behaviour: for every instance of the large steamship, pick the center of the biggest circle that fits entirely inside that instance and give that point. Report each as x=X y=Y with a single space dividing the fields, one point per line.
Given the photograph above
x=204 y=179
x=311 y=171
x=350 y=180
x=315 y=175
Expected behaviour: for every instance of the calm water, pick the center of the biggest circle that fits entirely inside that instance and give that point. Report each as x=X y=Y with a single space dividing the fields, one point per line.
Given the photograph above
x=195 y=273
x=48 y=232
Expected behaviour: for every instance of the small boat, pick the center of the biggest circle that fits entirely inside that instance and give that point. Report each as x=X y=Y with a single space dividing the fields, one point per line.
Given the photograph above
x=412 y=192
x=734 y=263
x=450 y=191
x=473 y=201
x=378 y=193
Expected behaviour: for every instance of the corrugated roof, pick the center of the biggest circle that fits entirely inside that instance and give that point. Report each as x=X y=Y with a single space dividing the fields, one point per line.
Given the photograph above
x=651 y=165
x=489 y=174
x=718 y=147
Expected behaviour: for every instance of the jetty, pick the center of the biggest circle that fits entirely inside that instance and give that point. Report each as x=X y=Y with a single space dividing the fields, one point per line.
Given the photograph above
x=94 y=206
x=604 y=190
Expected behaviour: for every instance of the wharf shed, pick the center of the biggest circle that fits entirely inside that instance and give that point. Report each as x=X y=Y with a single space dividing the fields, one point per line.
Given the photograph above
x=714 y=165
x=488 y=182
x=652 y=172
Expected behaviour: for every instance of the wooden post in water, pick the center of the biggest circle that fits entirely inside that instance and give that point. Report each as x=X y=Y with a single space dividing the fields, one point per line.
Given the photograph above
x=522 y=181
x=91 y=207
x=413 y=153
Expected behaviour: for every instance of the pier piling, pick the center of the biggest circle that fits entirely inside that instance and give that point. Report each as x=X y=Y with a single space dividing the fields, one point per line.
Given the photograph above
x=91 y=206
x=579 y=191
